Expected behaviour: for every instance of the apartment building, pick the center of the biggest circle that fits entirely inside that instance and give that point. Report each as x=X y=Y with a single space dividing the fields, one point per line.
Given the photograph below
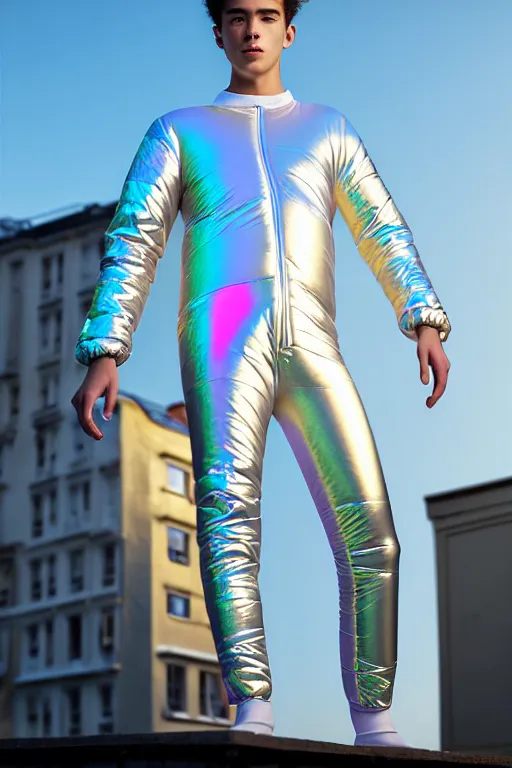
x=473 y=535
x=103 y=626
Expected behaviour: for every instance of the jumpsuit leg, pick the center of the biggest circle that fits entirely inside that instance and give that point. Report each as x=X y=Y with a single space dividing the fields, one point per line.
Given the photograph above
x=321 y=414
x=227 y=356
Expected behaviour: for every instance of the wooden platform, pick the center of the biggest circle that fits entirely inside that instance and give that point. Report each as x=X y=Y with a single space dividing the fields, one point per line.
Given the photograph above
x=216 y=750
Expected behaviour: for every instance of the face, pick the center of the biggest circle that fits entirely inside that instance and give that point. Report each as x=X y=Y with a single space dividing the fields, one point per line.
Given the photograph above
x=253 y=35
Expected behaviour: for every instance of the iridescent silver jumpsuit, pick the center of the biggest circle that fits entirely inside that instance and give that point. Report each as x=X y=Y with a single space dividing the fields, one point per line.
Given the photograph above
x=258 y=190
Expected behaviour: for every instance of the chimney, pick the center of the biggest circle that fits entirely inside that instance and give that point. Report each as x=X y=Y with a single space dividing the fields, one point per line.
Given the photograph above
x=177 y=411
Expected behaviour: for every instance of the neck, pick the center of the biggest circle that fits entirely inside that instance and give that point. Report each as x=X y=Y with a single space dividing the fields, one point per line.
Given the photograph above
x=266 y=85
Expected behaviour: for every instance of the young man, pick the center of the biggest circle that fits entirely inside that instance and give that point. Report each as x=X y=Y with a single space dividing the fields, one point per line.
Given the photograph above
x=257 y=177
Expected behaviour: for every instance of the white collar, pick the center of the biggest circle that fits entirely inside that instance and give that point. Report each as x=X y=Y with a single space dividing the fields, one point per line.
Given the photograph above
x=228 y=99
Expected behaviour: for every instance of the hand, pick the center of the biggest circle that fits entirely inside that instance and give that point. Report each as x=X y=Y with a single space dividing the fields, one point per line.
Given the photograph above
x=431 y=352
x=102 y=379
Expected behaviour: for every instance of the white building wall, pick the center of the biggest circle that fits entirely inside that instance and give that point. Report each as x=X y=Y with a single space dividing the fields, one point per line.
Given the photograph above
x=39 y=327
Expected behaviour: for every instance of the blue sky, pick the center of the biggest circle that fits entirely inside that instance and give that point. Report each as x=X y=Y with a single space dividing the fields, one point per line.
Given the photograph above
x=427 y=85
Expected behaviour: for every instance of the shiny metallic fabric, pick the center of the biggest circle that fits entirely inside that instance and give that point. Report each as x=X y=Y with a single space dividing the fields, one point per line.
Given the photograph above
x=258 y=189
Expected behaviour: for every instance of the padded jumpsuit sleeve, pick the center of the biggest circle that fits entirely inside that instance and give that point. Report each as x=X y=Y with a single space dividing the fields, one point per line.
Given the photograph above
x=383 y=238
x=134 y=242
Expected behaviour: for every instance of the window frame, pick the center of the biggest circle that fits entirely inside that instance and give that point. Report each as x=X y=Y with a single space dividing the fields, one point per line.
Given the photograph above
x=109 y=579
x=71 y=727
x=49 y=638
x=181 y=558
x=33 y=640
x=79 y=576
x=72 y=617
x=171 y=464
x=36 y=568
x=107 y=622
x=183 y=710
x=47 y=709
x=37 y=526
x=188 y=602
x=205 y=695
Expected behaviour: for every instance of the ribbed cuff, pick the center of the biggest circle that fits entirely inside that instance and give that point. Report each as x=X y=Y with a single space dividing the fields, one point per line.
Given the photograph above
x=435 y=317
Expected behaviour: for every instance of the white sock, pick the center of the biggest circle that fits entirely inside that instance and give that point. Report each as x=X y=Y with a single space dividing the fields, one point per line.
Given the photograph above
x=374 y=728
x=256 y=716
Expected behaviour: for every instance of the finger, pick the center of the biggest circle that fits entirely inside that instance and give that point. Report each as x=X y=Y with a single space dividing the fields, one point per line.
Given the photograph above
x=440 y=380
x=85 y=417
x=424 y=369
x=110 y=401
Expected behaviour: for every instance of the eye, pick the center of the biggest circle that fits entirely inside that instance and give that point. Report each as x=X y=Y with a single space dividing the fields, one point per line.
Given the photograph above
x=236 y=18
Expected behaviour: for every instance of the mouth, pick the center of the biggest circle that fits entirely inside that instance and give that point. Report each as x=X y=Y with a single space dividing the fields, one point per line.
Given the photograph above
x=253 y=51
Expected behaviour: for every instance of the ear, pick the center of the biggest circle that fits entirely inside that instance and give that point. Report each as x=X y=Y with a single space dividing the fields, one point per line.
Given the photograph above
x=218 y=37
x=290 y=36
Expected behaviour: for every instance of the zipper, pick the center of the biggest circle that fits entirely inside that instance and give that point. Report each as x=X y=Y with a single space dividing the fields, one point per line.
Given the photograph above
x=284 y=329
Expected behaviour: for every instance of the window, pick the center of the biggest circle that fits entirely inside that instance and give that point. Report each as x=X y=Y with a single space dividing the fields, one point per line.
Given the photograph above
x=46 y=450
x=107 y=630
x=78 y=439
x=50 y=329
x=14 y=400
x=176 y=479
x=74 y=712
x=36 y=590
x=74 y=507
x=52 y=576
x=40 y=449
x=44 y=329
x=86 y=496
x=33 y=641
x=46 y=275
x=52 y=273
x=6 y=576
x=49 y=642
x=212 y=702
x=32 y=717
x=178 y=605
x=37 y=516
x=76 y=570
x=57 y=331
x=75 y=637
x=60 y=269
x=47 y=717
x=109 y=565
x=106 y=695
x=49 y=389
x=176 y=688
x=44 y=507
x=79 y=504
x=110 y=500
x=177 y=543
x=53 y=507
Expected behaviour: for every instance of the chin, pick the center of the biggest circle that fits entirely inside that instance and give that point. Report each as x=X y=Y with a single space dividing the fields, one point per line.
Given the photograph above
x=253 y=68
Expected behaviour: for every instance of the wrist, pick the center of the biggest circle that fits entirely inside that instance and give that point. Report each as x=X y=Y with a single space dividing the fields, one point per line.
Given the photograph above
x=427 y=329
x=100 y=360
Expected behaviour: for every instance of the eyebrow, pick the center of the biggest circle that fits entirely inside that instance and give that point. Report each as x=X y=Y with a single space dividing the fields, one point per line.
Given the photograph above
x=260 y=11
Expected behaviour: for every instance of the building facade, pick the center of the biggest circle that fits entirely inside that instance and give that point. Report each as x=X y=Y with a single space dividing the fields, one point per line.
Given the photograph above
x=473 y=534
x=103 y=626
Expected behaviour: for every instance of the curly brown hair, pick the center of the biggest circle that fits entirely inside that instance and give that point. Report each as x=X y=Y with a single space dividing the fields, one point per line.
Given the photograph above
x=215 y=7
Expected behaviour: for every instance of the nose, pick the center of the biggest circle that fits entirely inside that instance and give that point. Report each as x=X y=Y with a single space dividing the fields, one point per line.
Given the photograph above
x=251 y=33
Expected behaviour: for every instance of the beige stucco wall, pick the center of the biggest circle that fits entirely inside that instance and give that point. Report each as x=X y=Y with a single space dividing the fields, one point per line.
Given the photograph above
x=148 y=508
